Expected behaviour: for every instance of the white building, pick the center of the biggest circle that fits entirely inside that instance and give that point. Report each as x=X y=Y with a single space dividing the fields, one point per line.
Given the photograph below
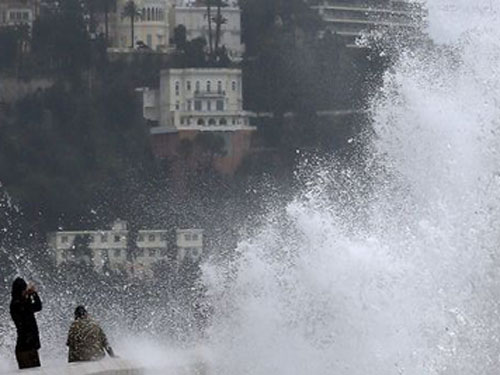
x=110 y=248
x=151 y=26
x=17 y=12
x=189 y=244
x=203 y=99
x=350 y=18
x=195 y=20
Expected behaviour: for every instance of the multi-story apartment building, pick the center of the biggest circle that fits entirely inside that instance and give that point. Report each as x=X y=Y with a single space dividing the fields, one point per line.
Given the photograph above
x=189 y=244
x=194 y=17
x=16 y=12
x=202 y=99
x=110 y=248
x=349 y=18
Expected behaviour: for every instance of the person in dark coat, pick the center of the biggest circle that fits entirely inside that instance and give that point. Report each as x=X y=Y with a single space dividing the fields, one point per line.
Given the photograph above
x=23 y=306
x=86 y=339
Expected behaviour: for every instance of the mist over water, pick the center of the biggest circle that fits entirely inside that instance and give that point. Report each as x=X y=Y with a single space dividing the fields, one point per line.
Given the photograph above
x=391 y=266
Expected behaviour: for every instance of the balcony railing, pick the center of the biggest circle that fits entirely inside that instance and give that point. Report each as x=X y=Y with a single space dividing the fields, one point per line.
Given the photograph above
x=209 y=94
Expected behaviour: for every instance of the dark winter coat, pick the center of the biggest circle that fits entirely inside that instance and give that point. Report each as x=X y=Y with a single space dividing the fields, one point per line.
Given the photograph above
x=22 y=311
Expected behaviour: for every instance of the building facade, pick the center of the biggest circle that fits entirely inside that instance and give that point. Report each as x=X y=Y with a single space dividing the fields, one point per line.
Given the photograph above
x=201 y=99
x=350 y=18
x=195 y=19
x=111 y=248
x=189 y=244
x=151 y=25
x=18 y=12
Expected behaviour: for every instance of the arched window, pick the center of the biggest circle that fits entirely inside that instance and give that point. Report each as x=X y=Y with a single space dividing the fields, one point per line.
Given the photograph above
x=201 y=122
x=223 y=121
x=219 y=87
x=212 y=122
x=197 y=86
x=209 y=86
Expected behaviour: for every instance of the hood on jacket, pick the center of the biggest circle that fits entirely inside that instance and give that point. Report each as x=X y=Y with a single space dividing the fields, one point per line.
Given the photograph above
x=18 y=287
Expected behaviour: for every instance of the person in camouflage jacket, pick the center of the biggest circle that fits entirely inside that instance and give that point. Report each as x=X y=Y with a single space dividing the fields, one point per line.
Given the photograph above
x=86 y=339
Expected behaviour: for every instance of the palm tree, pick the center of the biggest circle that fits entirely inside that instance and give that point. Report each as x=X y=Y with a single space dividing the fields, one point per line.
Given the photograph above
x=106 y=6
x=130 y=10
x=219 y=21
x=209 y=18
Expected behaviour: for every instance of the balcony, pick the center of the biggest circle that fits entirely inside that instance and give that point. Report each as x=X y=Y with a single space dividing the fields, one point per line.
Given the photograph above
x=209 y=94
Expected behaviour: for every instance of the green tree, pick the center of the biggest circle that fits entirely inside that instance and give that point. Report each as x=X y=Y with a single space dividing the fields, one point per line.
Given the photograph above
x=8 y=46
x=60 y=39
x=131 y=11
x=180 y=37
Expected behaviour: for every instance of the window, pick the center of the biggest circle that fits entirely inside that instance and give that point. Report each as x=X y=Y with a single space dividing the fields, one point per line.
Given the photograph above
x=212 y=122
x=117 y=238
x=189 y=105
x=104 y=237
x=197 y=86
x=177 y=106
x=118 y=253
x=209 y=86
x=219 y=87
x=188 y=85
x=152 y=252
x=197 y=105
x=149 y=14
x=64 y=239
x=182 y=120
x=177 y=88
x=234 y=121
x=151 y=238
x=233 y=85
x=220 y=105
x=209 y=105
x=201 y=121
x=223 y=121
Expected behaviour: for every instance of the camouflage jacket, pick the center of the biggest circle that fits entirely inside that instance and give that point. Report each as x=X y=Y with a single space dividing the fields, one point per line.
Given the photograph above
x=86 y=341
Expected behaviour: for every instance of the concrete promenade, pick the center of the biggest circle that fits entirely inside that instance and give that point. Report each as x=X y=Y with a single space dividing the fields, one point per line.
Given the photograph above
x=104 y=367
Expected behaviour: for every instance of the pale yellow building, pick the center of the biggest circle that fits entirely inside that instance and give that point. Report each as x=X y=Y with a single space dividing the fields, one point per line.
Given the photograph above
x=202 y=99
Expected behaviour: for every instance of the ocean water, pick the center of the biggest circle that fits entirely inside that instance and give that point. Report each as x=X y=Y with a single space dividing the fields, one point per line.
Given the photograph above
x=388 y=265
